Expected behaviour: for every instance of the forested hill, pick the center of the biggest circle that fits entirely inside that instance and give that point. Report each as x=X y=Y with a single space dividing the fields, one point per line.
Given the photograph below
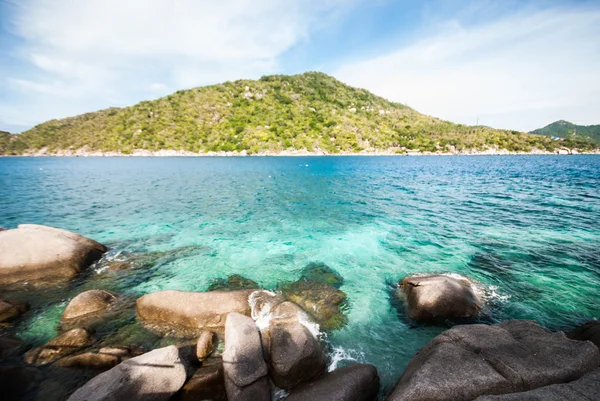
x=311 y=111
x=565 y=129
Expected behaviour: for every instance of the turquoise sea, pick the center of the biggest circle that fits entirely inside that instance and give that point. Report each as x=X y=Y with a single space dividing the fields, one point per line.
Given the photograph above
x=525 y=228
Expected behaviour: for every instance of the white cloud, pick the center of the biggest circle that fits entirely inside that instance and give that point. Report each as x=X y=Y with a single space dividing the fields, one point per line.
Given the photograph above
x=87 y=53
x=521 y=72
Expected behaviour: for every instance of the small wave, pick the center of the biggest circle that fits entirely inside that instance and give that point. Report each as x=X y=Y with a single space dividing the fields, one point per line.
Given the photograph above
x=340 y=354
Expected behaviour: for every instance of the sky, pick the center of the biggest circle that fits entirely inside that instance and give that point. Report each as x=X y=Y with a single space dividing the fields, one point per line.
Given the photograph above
x=507 y=64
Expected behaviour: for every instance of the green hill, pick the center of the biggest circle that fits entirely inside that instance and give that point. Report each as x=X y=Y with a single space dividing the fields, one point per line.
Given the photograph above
x=565 y=129
x=310 y=111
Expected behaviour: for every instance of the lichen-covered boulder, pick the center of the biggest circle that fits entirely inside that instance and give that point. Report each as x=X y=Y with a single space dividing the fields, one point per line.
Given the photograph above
x=469 y=361
x=296 y=355
x=323 y=302
x=153 y=376
x=10 y=309
x=244 y=367
x=585 y=389
x=322 y=273
x=439 y=297
x=88 y=303
x=358 y=382
x=65 y=344
x=191 y=311
x=36 y=253
x=207 y=383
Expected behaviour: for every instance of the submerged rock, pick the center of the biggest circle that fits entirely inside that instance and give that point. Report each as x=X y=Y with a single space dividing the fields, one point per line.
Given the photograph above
x=44 y=254
x=322 y=273
x=244 y=367
x=356 y=382
x=178 y=310
x=206 y=384
x=296 y=354
x=439 y=297
x=156 y=375
x=589 y=331
x=474 y=360
x=88 y=303
x=585 y=389
x=65 y=344
x=323 y=302
x=10 y=309
x=233 y=282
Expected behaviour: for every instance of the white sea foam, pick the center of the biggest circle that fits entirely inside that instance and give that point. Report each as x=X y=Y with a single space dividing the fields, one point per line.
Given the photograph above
x=340 y=354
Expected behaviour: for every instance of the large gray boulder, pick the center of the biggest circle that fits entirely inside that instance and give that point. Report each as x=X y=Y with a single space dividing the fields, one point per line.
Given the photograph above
x=439 y=297
x=296 y=354
x=356 y=382
x=195 y=311
x=44 y=254
x=244 y=367
x=88 y=303
x=474 y=360
x=153 y=376
x=585 y=389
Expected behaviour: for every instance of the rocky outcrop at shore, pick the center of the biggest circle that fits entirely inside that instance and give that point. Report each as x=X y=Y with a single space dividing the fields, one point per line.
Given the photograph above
x=44 y=254
x=469 y=361
x=439 y=297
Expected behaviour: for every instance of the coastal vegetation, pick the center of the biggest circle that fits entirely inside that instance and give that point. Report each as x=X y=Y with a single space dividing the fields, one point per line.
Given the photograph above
x=568 y=130
x=310 y=111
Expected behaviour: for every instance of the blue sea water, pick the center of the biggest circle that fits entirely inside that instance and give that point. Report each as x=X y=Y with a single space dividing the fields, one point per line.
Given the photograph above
x=525 y=228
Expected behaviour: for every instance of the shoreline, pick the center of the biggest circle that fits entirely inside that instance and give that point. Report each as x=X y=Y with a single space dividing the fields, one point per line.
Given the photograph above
x=288 y=153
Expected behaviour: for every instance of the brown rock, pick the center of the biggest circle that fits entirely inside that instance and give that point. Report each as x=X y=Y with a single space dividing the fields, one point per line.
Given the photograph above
x=192 y=310
x=439 y=297
x=88 y=303
x=45 y=254
x=10 y=309
x=205 y=345
x=206 y=384
x=89 y=360
x=322 y=301
x=65 y=344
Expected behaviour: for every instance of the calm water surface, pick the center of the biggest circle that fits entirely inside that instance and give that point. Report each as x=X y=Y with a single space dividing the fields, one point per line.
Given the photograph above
x=526 y=228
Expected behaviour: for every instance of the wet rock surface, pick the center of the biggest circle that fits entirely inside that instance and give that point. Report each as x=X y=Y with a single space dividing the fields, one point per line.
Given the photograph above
x=439 y=297
x=474 y=360
x=323 y=302
x=88 y=303
x=44 y=254
x=322 y=273
x=65 y=344
x=358 y=382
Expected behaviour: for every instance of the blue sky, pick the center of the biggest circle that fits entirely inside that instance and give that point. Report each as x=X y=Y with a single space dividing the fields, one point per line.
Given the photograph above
x=507 y=64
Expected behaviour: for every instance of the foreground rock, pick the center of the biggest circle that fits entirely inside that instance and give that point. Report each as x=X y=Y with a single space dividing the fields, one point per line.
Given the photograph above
x=156 y=375
x=244 y=367
x=10 y=309
x=195 y=311
x=589 y=331
x=585 y=389
x=474 y=360
x=45 y=254
x=9 y=348
x=296 y=355
x=65 y=344
x=439 y=297
x=323 y=302
x=206 y=384
x=88 y=303
x=16 y=381
x=356 y=382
